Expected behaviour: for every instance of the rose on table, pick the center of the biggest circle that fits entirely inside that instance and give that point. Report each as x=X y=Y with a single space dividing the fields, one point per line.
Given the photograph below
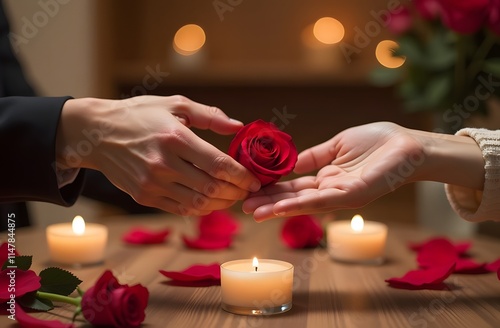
x=106 y=303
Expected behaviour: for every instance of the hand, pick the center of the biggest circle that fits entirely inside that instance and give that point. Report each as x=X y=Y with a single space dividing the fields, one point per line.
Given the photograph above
x=355 y=167
x=366 y=162
x=144 y=147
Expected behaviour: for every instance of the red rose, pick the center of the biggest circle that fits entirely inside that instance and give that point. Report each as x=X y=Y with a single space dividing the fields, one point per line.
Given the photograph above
x=266 y=151
x=400 y=22
x=428 y=9
x=464 y=16
x=109 y=303
x=494 y=16
x=301 y=231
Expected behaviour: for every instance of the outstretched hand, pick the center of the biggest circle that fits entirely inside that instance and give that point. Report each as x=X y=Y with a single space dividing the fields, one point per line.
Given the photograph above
x=144 y=147
x=355 y=167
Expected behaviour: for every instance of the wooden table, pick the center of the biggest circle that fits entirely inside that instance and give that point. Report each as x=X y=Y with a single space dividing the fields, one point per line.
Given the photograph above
x=326 y=294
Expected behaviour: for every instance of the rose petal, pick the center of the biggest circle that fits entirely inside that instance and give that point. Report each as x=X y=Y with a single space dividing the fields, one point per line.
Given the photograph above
x=218 y=223
x=301 y=231
x=460 y=247
x=140 y=235
x=493 y=266
x=196 y=272
x=423 y=278
x=27 y=321
x=470 y=266
x=4 y=253
x=207 y=243
x=498 y=274
x=436 y=253
x=26 y=281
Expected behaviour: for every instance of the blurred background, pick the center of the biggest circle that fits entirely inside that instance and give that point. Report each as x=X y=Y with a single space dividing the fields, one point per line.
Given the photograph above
x=306 y=66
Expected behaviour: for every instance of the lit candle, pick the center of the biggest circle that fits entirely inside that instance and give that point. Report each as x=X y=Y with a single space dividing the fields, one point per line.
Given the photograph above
x=357 y=240
x=77 y=243
x=256 y=287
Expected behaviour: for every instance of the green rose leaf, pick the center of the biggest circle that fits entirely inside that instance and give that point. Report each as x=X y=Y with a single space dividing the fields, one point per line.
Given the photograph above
x=437 y=90
x=58 y=281
x=383 y=77
x=492 y=66
x=31 y=301
x=21 y=262
x=409 y=48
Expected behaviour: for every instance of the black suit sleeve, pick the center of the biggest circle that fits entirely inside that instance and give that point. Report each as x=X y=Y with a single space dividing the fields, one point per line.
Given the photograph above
x=28 y=127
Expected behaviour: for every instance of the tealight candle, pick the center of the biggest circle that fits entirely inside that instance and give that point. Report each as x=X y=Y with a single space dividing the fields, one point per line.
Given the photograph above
x=256 y=287
x=357 y=240
x=77 y=243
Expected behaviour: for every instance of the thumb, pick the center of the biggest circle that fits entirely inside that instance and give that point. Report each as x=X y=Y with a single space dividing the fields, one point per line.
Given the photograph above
x=315 y=157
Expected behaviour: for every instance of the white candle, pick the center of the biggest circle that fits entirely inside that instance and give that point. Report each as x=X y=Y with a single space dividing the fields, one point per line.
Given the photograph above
x=256 y=287
x=357 y=240
x=77 y=243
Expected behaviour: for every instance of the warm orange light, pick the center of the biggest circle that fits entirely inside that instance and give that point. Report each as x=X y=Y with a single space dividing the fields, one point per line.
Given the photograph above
x=384 y=53
x=357 y=223
x=328 y=30
x=189 y=39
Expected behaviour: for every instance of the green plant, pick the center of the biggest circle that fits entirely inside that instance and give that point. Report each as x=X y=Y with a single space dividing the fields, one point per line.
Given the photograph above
x=452 y=55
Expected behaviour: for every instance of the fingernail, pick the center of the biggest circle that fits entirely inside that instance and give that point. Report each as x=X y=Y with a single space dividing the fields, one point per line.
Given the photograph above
x=255 y=186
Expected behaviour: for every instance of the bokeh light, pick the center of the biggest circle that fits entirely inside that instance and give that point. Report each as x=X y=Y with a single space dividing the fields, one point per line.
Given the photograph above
x=384 y=53
x=328 y=30
x=189 y=39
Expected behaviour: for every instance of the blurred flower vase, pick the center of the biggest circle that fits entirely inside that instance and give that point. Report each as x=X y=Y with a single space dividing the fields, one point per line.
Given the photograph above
x=451 y=70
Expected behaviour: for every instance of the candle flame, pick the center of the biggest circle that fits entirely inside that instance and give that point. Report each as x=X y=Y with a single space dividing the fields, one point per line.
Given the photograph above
x=78 y=225
x=255 y=263
x=357 y=223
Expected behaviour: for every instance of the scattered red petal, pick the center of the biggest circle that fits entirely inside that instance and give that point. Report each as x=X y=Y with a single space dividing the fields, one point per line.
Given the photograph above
x=140 y=235
x=436 y=253
x=196 y=272
x=470 y=266
x=27 y=321
x=423 y=278
x=460 y=247
x=493 y=266
x=301 y=231
x=207 y=243
x=218 y=223
x=26 y=281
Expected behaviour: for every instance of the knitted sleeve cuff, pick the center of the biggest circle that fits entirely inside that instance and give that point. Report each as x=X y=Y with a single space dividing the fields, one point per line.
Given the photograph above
x=475 y=205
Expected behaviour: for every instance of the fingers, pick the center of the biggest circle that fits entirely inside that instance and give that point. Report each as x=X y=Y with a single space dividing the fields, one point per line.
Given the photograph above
x=183 y=201
x=277 y=192
x=315 y=157
x=218 y=164
x=196 y=179
x=204 y=117
x=305 y=202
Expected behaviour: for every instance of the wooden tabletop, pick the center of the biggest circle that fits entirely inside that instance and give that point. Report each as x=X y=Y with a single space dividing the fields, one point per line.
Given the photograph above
x=326 y=293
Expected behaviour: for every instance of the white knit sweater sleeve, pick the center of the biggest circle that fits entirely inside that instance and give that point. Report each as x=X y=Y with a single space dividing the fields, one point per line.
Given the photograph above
x=474 y=205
